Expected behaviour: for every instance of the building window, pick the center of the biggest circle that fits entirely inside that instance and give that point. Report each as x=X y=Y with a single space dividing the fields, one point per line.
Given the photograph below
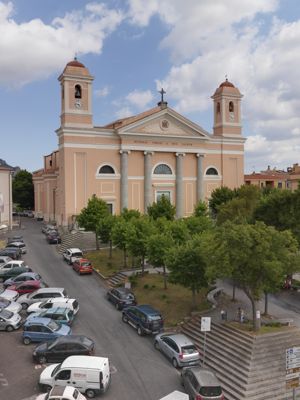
x=279 y=185
x=110 y=208
x=162 y=169
x=212 y=171
x=106 y=169
x=165 y=193
x=77 y=92
x=231 y=106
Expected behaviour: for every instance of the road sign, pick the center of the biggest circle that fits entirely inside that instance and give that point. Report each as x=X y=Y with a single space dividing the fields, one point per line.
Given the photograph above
x=292 y=367
x=292 y=383
x=205 y=324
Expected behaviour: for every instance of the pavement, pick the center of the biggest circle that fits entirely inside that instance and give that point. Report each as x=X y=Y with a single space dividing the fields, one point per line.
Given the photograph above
x=283 y=305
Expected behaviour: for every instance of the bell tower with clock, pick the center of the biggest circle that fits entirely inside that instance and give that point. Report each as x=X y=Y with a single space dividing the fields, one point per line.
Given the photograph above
x=76 y=96
x=227 y=110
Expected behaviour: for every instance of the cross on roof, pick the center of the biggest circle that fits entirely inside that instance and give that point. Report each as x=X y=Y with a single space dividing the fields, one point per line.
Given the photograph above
x=162 y=92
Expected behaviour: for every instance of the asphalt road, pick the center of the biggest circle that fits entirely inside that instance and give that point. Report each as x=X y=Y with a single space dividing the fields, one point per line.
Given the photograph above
x=139 y=372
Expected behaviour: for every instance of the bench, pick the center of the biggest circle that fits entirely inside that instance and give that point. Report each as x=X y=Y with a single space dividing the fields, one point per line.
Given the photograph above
x=279 y=322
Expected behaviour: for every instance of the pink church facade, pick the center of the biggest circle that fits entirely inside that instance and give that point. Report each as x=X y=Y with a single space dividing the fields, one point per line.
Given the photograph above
x=131 y=162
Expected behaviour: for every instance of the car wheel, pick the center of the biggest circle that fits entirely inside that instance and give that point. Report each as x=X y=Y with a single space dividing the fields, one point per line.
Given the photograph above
x=24 y=306
x=156 y=345
x=42 y=359
x=117 y=305
x=140 y=331
x=47 y=388
x=9 y=328
x=124 y=318
x=90 y=393
x=26 y=340
x=175 y=363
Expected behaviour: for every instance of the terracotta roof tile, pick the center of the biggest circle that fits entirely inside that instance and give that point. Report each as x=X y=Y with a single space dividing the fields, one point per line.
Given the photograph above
x=119 y=123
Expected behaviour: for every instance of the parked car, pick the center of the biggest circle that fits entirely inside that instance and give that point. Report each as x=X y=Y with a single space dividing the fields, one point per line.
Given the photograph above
x=62 y=315
x=12 y=269
x=42 y=330
x=47 y=227
x=10 y=305
x=16 y=238
x=4 y=260
x=28 y=287
x=41 y=294
x=89 y=373
x=39 y=217
x=53 y=237
x=25 y=276
x=71 y=254
x=201 y=383
x=72 y=304
x=178 y=348
x=13 y=253
x=82 y=266
x=18 y=245
x=144 y=318
x=121 y=297
x=62 y=348
x=62 y=393
x=9 y=294
x=9 y=320
x=30 y=214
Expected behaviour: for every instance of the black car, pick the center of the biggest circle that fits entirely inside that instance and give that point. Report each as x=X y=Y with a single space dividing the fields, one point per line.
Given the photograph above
x=63 y=347
x=121 y=297
x=12 y=252
x=144 y=318
x=53 y=237
x=17 y=238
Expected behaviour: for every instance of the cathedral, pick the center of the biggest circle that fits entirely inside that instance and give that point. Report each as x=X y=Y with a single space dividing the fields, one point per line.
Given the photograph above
x=133 y=161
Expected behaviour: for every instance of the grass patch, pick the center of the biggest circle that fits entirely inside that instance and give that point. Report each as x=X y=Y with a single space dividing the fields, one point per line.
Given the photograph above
x=248 y=327
x=175 y=303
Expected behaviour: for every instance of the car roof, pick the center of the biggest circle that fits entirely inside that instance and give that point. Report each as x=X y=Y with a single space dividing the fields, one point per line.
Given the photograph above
x=62 y=391
x=146 y=308
x=73 y=339
x=38 y=320
x=88 y=362
x=57 y=310
x=32 y=274
x=74 y=249
x=50 y=290
x=205 y=376
x=63 y=300
x=21 y=262
x=179 y=338
x=123 y=290
x=16 y=242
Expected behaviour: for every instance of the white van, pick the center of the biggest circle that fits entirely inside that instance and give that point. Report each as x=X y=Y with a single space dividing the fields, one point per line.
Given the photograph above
x=88 y=374
x=72 y=304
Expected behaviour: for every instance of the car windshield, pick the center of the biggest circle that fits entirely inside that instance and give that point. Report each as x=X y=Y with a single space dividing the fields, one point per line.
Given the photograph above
x=43 y=303
x=75 y=394
x=154 y=317
x=127 y=296
x=77 y=254
x=189 y=349
x=210 y=391
x=6 y=314
x=86 y=264
x=86 y=341
x=53 y=326
x=56 y=369
x=4 y=303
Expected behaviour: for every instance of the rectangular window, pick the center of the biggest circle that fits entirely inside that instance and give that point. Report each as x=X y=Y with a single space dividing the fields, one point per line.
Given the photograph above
x=165 y=193
x=110 y=208
x=279 y=185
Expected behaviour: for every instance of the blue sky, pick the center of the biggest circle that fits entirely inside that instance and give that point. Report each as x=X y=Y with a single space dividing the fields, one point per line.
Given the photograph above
x=133 y=48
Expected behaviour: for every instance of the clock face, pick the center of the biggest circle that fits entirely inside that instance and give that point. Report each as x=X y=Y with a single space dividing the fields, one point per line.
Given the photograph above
x=78 y=104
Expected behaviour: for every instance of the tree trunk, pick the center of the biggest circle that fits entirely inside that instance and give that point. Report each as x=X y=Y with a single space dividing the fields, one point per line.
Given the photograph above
x=193 y=299
x=110 y=249
x=255 y=320
x=266 y=303
x=97 y=241
x=165 y=278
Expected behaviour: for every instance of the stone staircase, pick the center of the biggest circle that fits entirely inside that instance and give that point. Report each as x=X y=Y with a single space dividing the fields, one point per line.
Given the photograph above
x=116 y=279
x=81 y=239
x=248 y=366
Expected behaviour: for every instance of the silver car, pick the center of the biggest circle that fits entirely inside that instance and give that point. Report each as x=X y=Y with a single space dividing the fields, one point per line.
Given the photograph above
x=9 y=320
x=9 y=294
x=41 y=294
x=201 y=383
x=8 y=305
x=178 y=347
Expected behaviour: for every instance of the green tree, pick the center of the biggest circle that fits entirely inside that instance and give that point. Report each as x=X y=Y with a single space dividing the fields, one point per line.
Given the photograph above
x=201 y=209
x=162 y=208
x=91 y=216
x=129 y=214
x=197 y=225
x=220 y=196
x=23 y=190
x=187 y=264
x=255 y=256
x=120 y=231
x=105 y=230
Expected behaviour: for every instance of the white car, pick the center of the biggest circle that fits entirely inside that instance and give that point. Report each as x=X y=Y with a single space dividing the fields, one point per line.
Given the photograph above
x=13 y=264
x=72 y=304
x=9 y=294
x=9 y=305
x=4 y=260
x=71 y=254
x=18 y=245
x=62 y=393
x=41 y=294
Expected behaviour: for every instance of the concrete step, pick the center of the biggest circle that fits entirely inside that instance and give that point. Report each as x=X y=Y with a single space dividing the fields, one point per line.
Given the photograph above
x=116 y=279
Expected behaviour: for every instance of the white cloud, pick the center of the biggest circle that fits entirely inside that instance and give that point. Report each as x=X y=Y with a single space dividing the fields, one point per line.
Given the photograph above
x=34 y=50
x=103 y=92
x=124 y=112
x=140 y=99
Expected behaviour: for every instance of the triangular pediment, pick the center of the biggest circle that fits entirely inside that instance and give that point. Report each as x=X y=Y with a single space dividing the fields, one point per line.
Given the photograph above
x=165 y=123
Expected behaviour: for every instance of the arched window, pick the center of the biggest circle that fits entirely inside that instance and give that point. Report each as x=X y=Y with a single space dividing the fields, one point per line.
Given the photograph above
x=162 y=169
x=218 y=107
x=106 y=169
x=77 y=92
x=231 y=106
x=211 y=171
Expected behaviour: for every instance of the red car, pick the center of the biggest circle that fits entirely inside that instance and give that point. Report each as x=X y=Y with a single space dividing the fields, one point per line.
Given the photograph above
x=27 y=286
x=82 y=266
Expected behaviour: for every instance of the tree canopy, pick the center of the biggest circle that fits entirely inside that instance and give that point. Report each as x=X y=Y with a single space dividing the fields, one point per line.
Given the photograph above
x=162 y=208
x=23 y=190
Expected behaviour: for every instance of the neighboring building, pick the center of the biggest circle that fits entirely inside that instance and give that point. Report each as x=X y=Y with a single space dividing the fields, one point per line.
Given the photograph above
x=271 y=178
x=294 y=176
x=6 y=172
x=131 y=162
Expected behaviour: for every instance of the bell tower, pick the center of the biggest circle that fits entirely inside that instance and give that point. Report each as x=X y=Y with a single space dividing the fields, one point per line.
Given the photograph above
x=76 y=96
x=227 y=110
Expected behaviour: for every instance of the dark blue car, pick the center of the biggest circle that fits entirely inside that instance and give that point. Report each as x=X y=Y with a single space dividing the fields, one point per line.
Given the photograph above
x=144 y=318
x=43 y=330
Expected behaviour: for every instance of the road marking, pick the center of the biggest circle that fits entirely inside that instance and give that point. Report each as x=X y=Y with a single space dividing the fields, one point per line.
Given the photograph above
x=3 y=381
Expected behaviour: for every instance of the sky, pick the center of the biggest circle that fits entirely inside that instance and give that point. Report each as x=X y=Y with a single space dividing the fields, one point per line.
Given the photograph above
x=135 y=47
